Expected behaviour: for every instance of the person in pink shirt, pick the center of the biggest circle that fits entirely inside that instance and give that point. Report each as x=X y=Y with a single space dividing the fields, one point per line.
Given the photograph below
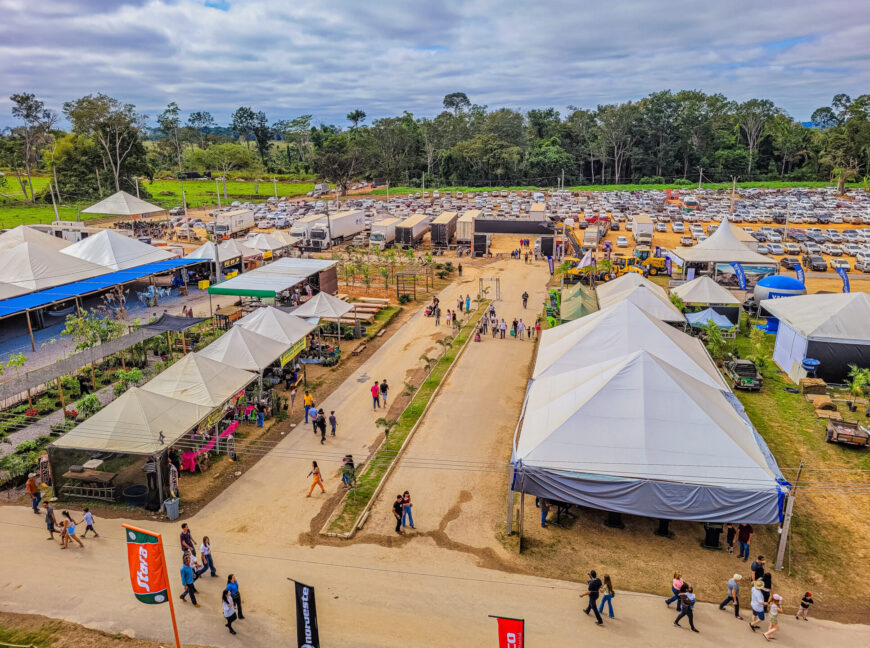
x=376 y=396
x=675 y=588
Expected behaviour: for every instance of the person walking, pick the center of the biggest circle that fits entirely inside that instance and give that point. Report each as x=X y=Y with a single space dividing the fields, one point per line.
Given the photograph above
x=406 y=509
x=233 y=587
x=757 y=568
x=537 y=328
x=88 y=519
x=261 y=414
x=459 y=268
x=467 y=303
x=756 y=602
x=459 y=304
x=593 y=588
x=525 y=299
x=316 y=479
x=207 y=560
x=187 y=580
x=321 y=424
x=347 y=471
x=733 y=595
x=437 y=316
x=315 y=416
x=398 y=511
x=804 y=609
x=70 y=528
x=502 y=328
x=607 y=593
x=308 y=403
x=384 y=389
x=545 y=511
x=32 y=489
x=493 y=323
x=773 y=609
x=333 y=422
x=687 y=599
x=521 y=330
x=514 y=328
x=744 y=537
x=376 y=396
x=150 y=470
x=229 y=610
x=730 y=533
x=50 y=520
x=676 y=584
x=292 y=398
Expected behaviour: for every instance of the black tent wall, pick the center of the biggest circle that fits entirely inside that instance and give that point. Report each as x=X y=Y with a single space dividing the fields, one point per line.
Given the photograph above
x=836 y=358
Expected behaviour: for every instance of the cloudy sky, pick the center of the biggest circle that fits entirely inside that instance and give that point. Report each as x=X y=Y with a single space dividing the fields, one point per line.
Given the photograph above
x=331 y=56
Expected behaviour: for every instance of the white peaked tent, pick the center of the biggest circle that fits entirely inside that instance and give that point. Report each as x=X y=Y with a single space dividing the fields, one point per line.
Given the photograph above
x=653 y=302
x=284 y=237
x=25 y=234
x=265 y=242
x=323 y=305
x=244 y=349
x=624 y=285
x=277 y=325
x=200 y=380
x=122 y=204
x=620 y=330
x=704 y=290
x=722 y=246
x=32 y=266
x=8 y=290
x=115 y=251
x=137 y=422
x=636 y=435
x=831 y=328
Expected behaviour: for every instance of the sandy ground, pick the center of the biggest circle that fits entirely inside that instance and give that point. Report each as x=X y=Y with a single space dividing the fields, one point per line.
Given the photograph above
x=432 y=589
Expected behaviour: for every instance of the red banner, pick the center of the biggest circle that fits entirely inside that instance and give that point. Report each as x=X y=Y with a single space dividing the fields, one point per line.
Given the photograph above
x=147 y=567
x=510 y=632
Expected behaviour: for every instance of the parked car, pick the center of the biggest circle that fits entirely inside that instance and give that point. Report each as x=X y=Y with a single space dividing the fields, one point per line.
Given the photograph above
x=791 y=248
x=661 y=227
x=621 y=241
x=176 y=211
x=839 y=263
x=775 y=248
x=687 y=241
x=789 y=263
x=743 y=374
x=814 y=263
x=678 y=228
x=833 y=250
x=614 y=226
x=762 y=249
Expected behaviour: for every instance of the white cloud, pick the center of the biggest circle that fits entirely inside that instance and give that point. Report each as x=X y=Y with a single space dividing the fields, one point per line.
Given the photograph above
x=330 y=57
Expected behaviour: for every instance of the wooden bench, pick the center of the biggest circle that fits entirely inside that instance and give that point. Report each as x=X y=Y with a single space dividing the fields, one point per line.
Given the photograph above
x=358 y=350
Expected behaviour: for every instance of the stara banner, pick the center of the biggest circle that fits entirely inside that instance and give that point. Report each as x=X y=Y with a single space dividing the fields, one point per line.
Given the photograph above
x=147 y=565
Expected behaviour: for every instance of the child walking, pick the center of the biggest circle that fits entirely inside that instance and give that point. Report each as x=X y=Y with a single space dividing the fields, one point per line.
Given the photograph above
x=88 y=519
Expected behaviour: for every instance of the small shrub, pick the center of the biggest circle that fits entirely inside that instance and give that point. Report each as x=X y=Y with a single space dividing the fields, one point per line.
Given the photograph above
x=404 y=298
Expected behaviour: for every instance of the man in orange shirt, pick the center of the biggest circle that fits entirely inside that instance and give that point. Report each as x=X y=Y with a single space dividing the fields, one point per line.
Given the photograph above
x=35 y=494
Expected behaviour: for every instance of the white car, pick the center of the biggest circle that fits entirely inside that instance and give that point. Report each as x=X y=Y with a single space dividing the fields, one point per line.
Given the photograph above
x=621 y=241
x=678 y=228
x=833 y=250
x=775 y=248
x=839 y=263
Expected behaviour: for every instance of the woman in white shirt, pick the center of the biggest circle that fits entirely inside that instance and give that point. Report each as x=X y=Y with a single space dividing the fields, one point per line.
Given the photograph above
x=229 y=610
x=773 y=609
x=205 y=552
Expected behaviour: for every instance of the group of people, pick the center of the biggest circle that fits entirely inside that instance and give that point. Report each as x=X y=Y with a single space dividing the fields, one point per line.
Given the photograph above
x=66 y=528
x=402 y=512
x=500 y=328
x=599 y=588
x=319 y=420
x=192 y=569
x=379 y=392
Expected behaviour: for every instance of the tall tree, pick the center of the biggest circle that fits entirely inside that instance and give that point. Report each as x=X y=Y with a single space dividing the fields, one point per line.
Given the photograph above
x=242 y=121
x=169 y=121
x=356 y=117
x=116 y=127
x=36 y=131
x=262 y=135
x=457 y=102
x=752 y=117
x=340 y=159
x=222 y=158
x=201 y=122
x=617 y=126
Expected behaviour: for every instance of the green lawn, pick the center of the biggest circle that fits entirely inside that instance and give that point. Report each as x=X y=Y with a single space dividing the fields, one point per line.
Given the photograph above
x=13 y=215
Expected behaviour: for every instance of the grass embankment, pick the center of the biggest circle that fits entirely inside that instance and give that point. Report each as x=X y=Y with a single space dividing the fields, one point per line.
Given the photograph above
x=384 y=317
x=355 y=502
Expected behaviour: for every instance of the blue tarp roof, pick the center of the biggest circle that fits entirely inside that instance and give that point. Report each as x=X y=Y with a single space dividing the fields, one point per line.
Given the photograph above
x=702 y=317
x=70 y=291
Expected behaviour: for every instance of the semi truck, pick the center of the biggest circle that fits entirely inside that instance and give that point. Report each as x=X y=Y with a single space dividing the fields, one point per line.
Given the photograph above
x=383 y=233
x=339 y=227
x=300 y=231
x=443 y=228
x=465 y=226
x=411 y=230
x=233 y=223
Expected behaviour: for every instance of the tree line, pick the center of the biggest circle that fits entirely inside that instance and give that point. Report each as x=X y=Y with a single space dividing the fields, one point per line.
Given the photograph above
x=665 y=137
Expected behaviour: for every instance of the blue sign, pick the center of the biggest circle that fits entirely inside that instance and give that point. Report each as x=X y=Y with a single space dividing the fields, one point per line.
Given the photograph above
x=550 y=263
x=669 y=266
x=741 y=276
x=800 y=272
x=845 y=277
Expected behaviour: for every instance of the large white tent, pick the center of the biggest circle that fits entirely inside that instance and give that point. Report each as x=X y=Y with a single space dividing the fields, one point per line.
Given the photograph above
x=201 y=380
x=625 y=284
x=25 y=234
x=277 y=325
x=636 y=435
x=123 y=204
x=323 y=305
x=245 y=349
x=620 y=330
x=31 y=266
x=265 y=243
x=116 y=251
x=722 y=246
x=137 y=422
x=8 y=290
x=704 y=291
x=831 y=328
x=652 y=301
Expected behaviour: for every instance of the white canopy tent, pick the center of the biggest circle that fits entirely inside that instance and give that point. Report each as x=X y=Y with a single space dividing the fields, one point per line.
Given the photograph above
x=831 y=328
x=25 y=234
x=116 y=251
x=123 y=204
x=722 y=246
x=34 y=267
x=277 y=325
x=324 y=306
x=704 y=291
x=619 y=330
x=137 y=422
x=200 y=380
x=652 y=301
x=8 y=290
x=624 y=285
x=636 y=435
x=245 y=349
x=265 y=243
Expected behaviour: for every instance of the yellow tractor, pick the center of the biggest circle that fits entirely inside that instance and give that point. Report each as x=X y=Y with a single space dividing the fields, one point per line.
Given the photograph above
x=654 y=265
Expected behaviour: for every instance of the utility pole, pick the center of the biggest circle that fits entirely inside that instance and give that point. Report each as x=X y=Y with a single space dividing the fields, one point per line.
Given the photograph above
x=733 y=193
x=137 y=187
x=53 y=203
x=217 y=262
x=275 y=186
x=700 y=176
x=217 y=190
x=786 y=521
x=563 y=180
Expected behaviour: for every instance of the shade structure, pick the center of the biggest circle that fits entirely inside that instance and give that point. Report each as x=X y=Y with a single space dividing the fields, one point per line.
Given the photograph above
x=265 y=242
x=624 y=285
x=577 y=301
x=620 y=330
x=636 y=435
x=25 y=234
x=705 y=291
x=123 y=204
x=8 y=290
x=34 y=267
x=116 y=251
x=276 y=325
x=831 y=328
x=704 y=317
x=269 y=280
x=722 y=246
x=245 y=349
x=651 y=300
x=323 y=305
x=137 y=422
x=284 y=237
x=200 y=380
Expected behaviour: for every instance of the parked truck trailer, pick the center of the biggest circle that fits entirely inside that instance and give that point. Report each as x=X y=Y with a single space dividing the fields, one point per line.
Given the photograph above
x=465 y=226
x=383 y=233
x=411 y=230
x=337 y=228
x=229 y=224
x=443 y=228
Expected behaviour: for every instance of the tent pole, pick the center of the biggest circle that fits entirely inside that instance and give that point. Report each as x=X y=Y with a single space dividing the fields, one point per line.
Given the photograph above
x=29 y=399
x=30 y=330
x=786 y=521
x=183 y=344
x=159 y=459
x=60 y=393
x=509 y=522
x=522 y=518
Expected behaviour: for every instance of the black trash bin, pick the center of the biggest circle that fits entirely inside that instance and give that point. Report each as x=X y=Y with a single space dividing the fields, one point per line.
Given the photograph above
x=712 y=531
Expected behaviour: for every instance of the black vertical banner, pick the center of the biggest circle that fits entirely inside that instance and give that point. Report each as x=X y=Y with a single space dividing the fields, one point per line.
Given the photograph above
x=306 y=617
